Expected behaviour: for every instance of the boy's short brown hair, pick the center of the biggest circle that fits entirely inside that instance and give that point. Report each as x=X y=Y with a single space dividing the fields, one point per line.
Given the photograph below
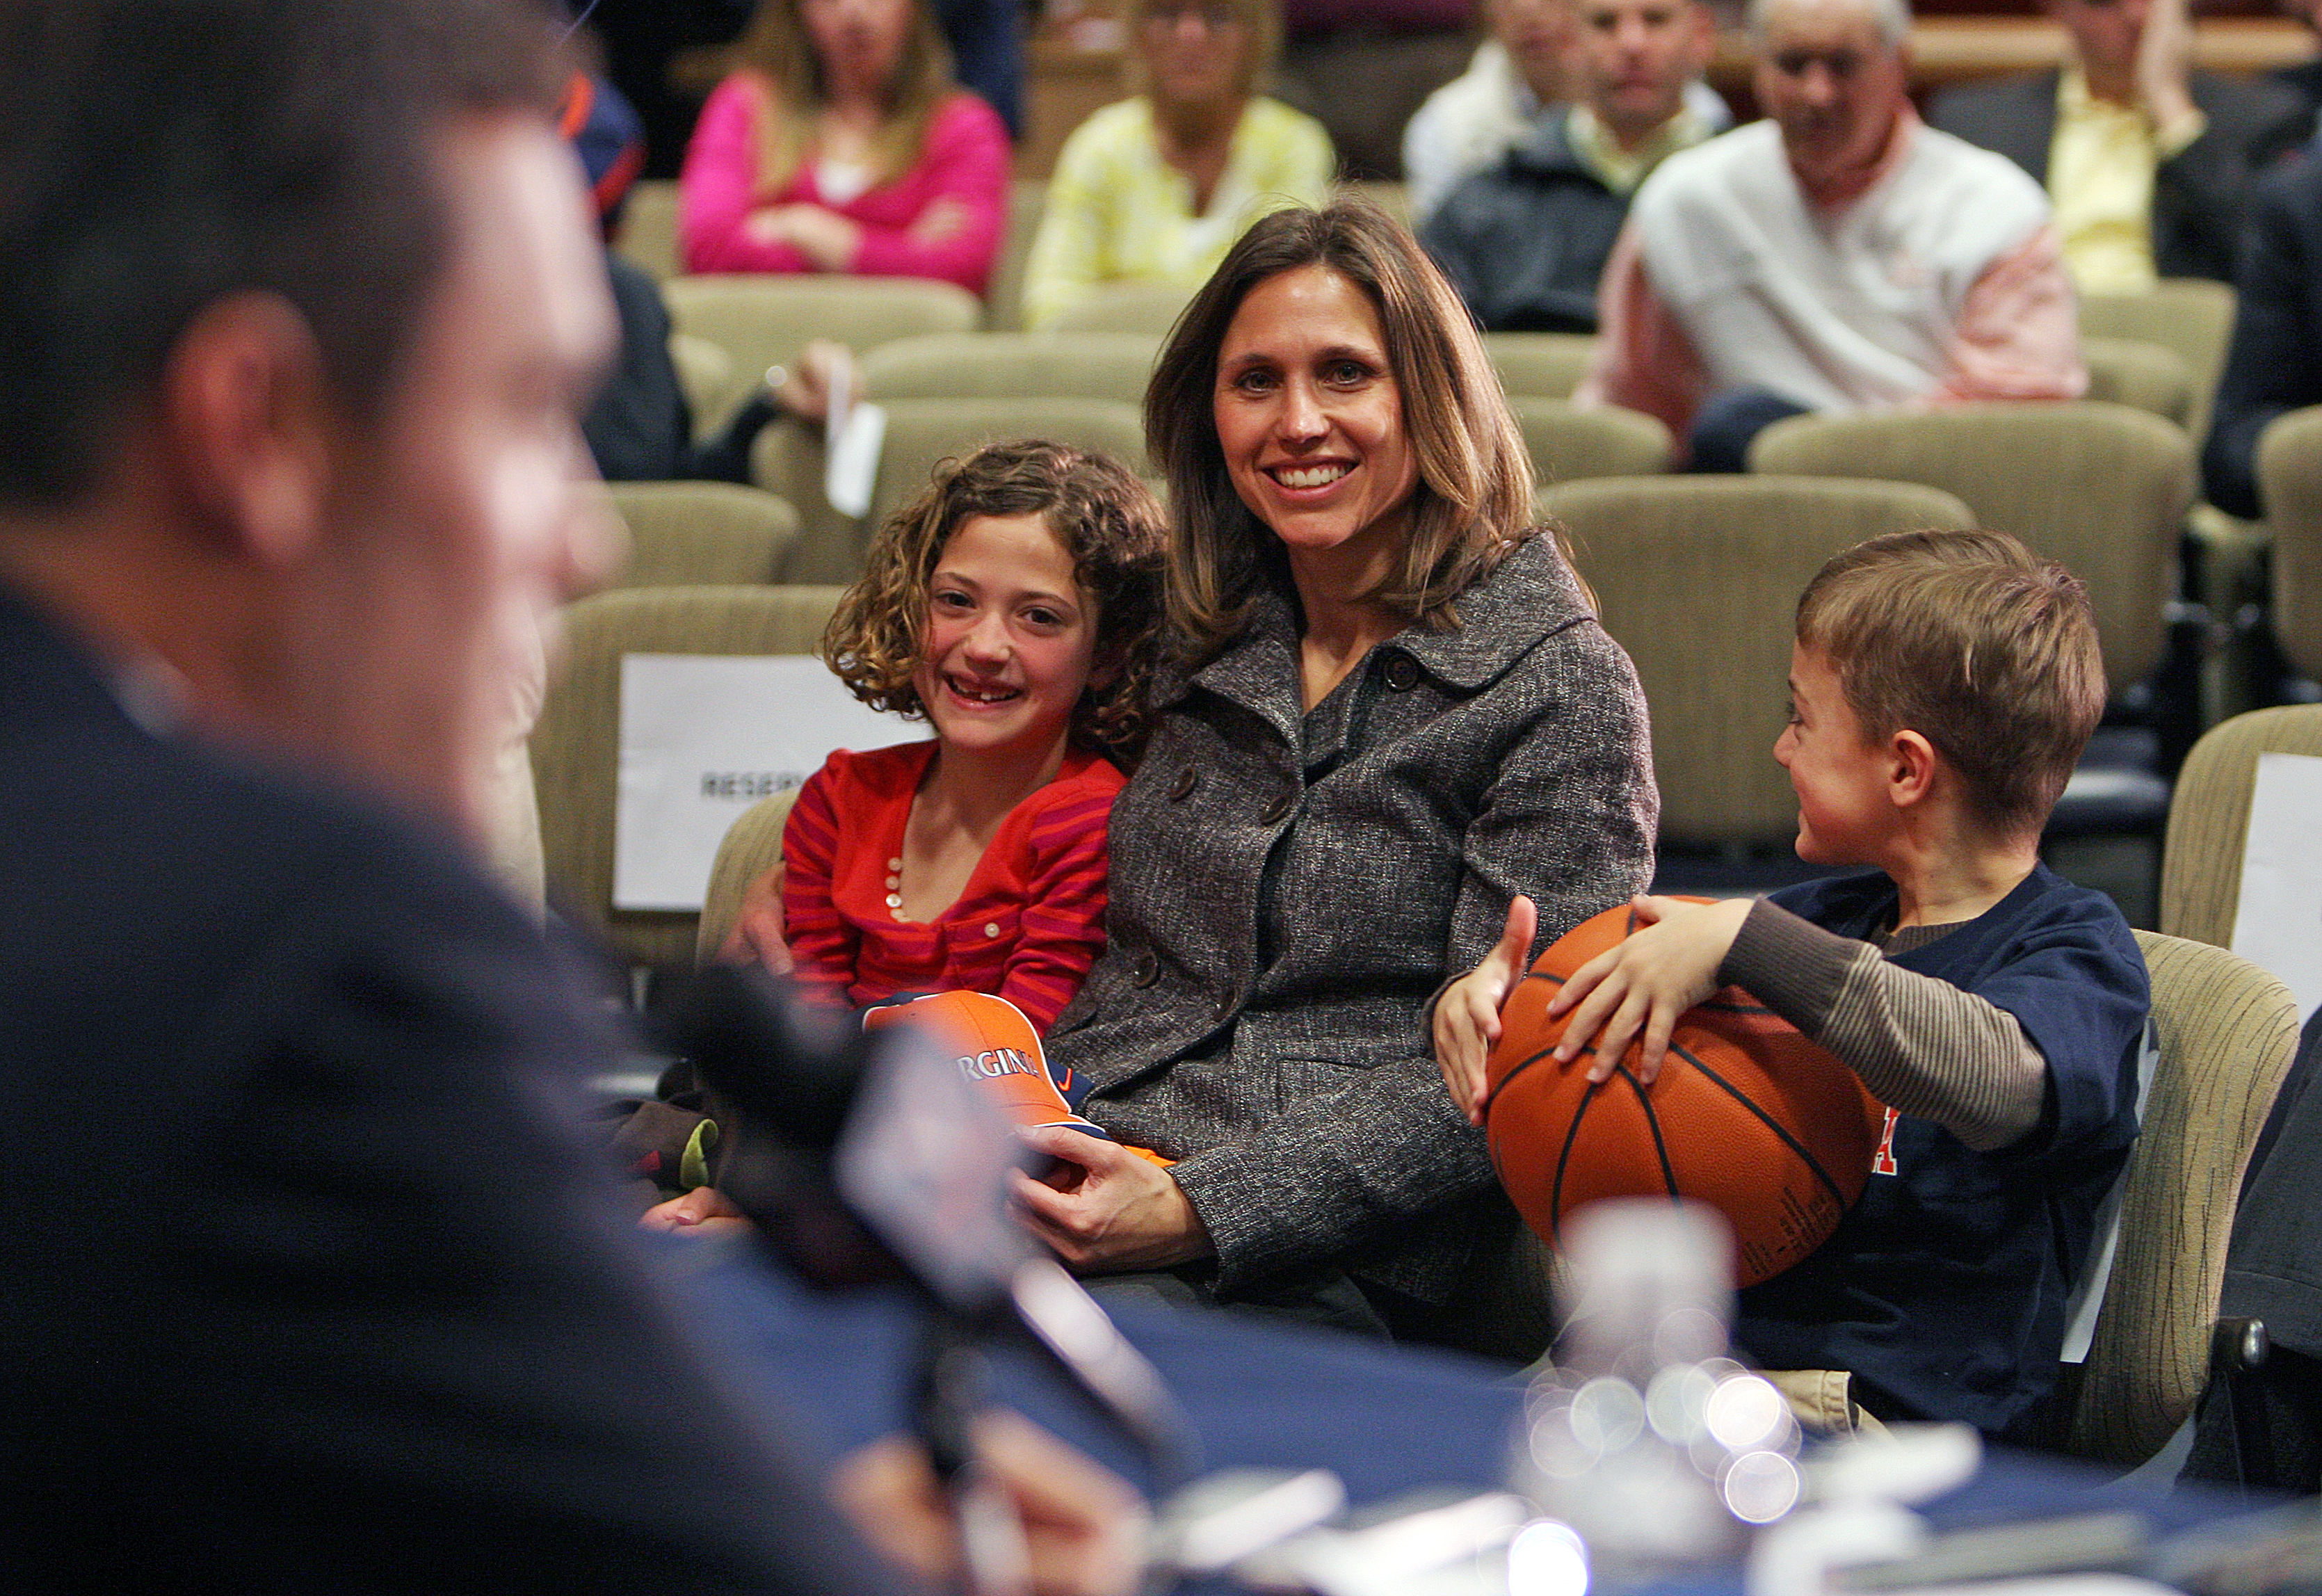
x=1106 y=519
x=1982 y=647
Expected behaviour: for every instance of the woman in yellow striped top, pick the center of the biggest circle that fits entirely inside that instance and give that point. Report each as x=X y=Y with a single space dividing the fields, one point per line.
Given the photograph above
x=1156 y=189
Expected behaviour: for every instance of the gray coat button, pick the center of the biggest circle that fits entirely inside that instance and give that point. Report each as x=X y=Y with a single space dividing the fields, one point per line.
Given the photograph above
x=1282 y=805
x=1401 y=673
x=1147 y=970
x=1183 y=787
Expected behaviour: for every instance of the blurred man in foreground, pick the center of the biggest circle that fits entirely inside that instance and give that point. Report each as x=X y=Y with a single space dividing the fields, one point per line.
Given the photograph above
x=317 y=1289
x=1838 y=256
x=1525 y=239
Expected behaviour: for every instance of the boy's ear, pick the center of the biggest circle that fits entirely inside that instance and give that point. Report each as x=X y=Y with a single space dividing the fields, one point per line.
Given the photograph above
x=1911 y=769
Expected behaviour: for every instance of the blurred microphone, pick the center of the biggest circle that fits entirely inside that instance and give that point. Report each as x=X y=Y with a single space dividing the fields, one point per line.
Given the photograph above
x=866 y=1156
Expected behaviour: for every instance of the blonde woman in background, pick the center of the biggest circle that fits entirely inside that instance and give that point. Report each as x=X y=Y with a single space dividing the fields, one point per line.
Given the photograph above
x=1156 y=189
x=841 y=144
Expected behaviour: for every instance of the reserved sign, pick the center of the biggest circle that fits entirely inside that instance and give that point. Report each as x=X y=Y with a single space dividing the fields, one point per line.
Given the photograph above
x=703 y=737
x=2278 y=921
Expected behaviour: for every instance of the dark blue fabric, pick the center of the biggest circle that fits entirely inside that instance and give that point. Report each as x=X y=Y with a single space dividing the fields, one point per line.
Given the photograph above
x=1390 y=1420
x=987 y=52
x=1725 y=426
x=1943 y=1290
x=1260 y=1394
x=1525 y=241
x=2274 y=364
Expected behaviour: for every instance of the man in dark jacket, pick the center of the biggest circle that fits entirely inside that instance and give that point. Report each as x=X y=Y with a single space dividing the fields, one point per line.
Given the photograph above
x=1525 y=240
x=337 y=1299
x=2149 y=162
x=2274 y=364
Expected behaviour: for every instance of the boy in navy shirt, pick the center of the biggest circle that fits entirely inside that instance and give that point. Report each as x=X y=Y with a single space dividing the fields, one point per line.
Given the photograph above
x=1942 y=685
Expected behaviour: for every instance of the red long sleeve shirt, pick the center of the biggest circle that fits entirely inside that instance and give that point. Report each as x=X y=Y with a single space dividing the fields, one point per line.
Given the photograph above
x=1028 y=925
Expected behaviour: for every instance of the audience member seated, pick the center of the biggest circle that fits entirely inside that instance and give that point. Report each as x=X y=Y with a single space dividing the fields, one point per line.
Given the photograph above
x=1942 y=688
x=349 y=1307
x=1525 y=240
x=1156 y=188
x=1838 y=256
x=1524 y=67
x=1398 y=712
x=842 y=145
x=1523 y=71
x=640 y=426
x=2147 y=158
x=2274 y=364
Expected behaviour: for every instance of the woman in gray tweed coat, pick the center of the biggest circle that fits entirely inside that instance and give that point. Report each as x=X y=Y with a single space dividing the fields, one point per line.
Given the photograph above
x=1396 y=712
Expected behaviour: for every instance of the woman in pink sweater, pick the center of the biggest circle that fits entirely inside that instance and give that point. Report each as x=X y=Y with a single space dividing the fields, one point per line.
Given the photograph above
x=841 y=144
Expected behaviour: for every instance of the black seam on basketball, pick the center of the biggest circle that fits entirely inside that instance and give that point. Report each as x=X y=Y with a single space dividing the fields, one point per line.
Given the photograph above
x=1493 y=1096
x=1771 y=1122
x=1715 y=1008
x=1564 y=1157
x=1653 y=1123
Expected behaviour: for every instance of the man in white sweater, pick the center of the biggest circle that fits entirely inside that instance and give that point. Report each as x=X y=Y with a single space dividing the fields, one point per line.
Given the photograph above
x=1839 y=256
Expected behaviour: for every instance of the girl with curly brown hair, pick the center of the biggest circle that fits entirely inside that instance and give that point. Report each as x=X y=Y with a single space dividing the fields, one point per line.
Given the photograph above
x=1017 y=606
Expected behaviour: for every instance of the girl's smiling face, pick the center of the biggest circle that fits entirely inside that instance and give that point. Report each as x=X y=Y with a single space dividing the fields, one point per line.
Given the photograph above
x=1010 y=638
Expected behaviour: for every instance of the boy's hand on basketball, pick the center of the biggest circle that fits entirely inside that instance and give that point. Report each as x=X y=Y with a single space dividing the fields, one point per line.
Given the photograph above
x=1105 y=1208
x=1637 y=991
x=1467 y=1015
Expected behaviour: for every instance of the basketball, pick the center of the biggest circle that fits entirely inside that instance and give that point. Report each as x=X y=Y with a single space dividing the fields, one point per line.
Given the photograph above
x=1746 y=1116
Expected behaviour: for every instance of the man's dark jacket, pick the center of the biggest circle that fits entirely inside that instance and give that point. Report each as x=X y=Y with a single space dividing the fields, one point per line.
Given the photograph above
x=1525 y=241
x=311 y=1283
x=2274 y=363
x=2198 y=194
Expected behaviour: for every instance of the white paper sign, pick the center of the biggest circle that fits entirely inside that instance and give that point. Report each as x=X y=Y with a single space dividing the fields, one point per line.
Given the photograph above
x=2279 y=924
x=703 y=737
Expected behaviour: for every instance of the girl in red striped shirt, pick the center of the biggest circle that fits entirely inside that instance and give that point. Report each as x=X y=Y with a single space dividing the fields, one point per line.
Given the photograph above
x=1017 y=605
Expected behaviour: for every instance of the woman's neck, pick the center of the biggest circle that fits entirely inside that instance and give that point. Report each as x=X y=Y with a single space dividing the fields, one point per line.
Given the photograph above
x=1342 y=623
x=1192 y=131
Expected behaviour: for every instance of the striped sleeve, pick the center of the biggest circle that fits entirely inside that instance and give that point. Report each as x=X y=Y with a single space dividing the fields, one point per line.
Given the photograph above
x=1922 y=1045
x=1062 y=930
x=822 y=944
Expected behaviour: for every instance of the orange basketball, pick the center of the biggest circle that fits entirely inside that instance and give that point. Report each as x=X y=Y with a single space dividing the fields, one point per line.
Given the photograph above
x=1746 y=1116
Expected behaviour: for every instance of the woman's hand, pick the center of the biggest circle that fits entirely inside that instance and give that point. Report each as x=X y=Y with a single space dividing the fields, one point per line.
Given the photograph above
x=1644 y=984
x=1105 y=1209
x=703 y=1211
x=1467 y=1015
x=2164 y=67
x=823 y=237
x=1083 y=1527
x=757 y=935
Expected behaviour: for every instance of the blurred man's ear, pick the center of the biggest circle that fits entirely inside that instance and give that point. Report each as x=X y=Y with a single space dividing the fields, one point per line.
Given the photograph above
x=246 y=420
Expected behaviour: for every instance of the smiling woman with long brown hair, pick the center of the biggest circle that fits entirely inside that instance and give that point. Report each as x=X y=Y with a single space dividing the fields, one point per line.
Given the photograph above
x=1396 y=713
